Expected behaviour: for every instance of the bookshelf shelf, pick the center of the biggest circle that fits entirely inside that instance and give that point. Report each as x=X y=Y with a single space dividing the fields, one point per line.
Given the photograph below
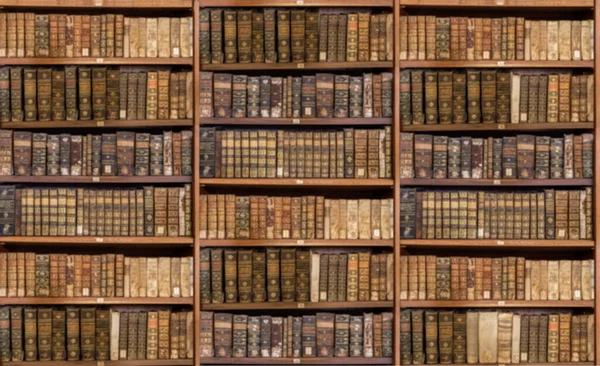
x=118 y=124
x=98 y=61
x=166 y=362
x=302 y=3
x=296 y=361
x=512 y=243
x=563 y=126
x=496 y=304
x=298 y=305
x=97 y=301
x=295 y=243
x=160 y=4
x=300 y=66
x=291 y=182
x=496 y=64
x=96 y=180
x=500 y=3
x=325 y=122
x=498 y=182
x=98 y=241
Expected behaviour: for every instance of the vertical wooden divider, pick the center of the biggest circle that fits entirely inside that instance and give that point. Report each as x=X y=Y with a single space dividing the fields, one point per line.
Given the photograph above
x=195 y=179
x=396 y=173
x=596 y=190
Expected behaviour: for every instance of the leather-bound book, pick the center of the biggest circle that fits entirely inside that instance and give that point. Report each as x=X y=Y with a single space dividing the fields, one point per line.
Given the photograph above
x=488 y=96
x=325 y=334
x=564 y=339
x=351 y=36
x=473 y=96
x=564 y=97
x=431 y=337
x=488 y=337
x=442 y=39
x=459 y=338
x=416 y=88
x=341 y=96
x=283 y=35
x=505 y=324
x=407 y=337
x=459 y=98
x=254 y=325
x=58 y=335
x=309 y=336
x=525 y=156
x=102 y=335
x=542 y=338
x=431 y=97
x=309 y=90
x=332 y=37
x=553 y=338
x=297 y=28
x=270 y=41
x=238 y=49
x=223 y=334
x=240 y=328
x=363 y=36
x=445 y=336
x=258 y=277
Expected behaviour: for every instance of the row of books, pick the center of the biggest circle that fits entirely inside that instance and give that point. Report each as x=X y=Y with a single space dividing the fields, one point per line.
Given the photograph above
x=307 y=96
x=94 y=334
x=427 y=277
x=83 y=93
x=487 y=337
x=151 y=211
x=100 y=35
x=106 y=275
x=282 y=35
x=320 y=335
x=427 y=37
x=347 y=153
x=227 y=216
x=490 y=96
x=124 y=153
x=238 y=275
x=508 y=157
x=552 y=214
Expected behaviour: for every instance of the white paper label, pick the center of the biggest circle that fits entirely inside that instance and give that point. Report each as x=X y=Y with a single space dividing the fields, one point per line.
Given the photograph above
x=100 y=363
x=509 y=171
x=280 y=172
x=376 y=232
x=100 y=300
x=500 y=63
x=308 y=111
x=80 y=229
x=176 y=291
x=95 y=179
x=300 y=242
x=98 y=2
x=85 y=291
x=100 y=123
x=99 y=240
x=301 y=305
x=107 y=169
x=122 y=114
x=500 y=242
x=480 y=232
x=501 y=126
x=99 y=60
x=577 y=54
x=486 y=55
x=578 y=293
x=297 y=360
x=300 y=65
x=523 y=116
x=501 y=303
x=299 y=181
x=296 y=121
x=176 y=51
x=85 y=52
x=497 y=182
x=299 y=2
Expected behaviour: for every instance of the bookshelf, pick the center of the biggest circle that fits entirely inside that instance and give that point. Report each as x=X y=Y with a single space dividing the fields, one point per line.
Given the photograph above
x=538 y=9
x=129 y=245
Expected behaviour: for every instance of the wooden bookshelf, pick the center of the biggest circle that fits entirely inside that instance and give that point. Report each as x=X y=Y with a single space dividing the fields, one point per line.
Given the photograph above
x=325 y=122
x=292 y=182
x=497 y=182
x=497 y=304
x=58 y=179
x=298 y=305
x=162 y=241
x=500 y=243
x=96 y=4
x=296 y=361
x=167 y=362
x=296 y=243
x=118 y=124
x=497 y=64
x=99 y=61
x=563 y=126
x=98 y=301
x=303 y=65
x=500 y=3
x=294 y=3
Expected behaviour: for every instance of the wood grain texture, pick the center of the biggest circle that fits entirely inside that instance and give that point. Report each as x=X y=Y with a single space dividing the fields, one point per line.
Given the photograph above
x=325 y=122
x=512 y=243
x=161 y=4
x=302 y=66
x=500 y=127
x=97 y=61
x=301 y=361
x=498 y=182
x=118 y=124
x=304 y=3
x=291 y=182
x=97 y=241
x=97 y=301
x=500 y=3
x=295 y=243
x=496 y=64
x=96 y=180
x=266 y=306
x=495 y=304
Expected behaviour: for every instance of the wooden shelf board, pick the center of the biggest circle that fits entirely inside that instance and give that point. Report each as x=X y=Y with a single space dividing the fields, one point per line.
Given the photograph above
x=298 y=305
x=97 y=300
x=567 y=126
x=498 y=182
x=286 y=182
x=100 y=124
x=168 y=362
x=497 y=243
x=500 y=3
x=294 y=243
x=301 y=361
x=173 y=4
x=325 y=122
x=98 y=61
x=95 y=180
x=496 y=64
x=98 y=241
x=299 y=66
x=295 y=3
x=495 y=304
